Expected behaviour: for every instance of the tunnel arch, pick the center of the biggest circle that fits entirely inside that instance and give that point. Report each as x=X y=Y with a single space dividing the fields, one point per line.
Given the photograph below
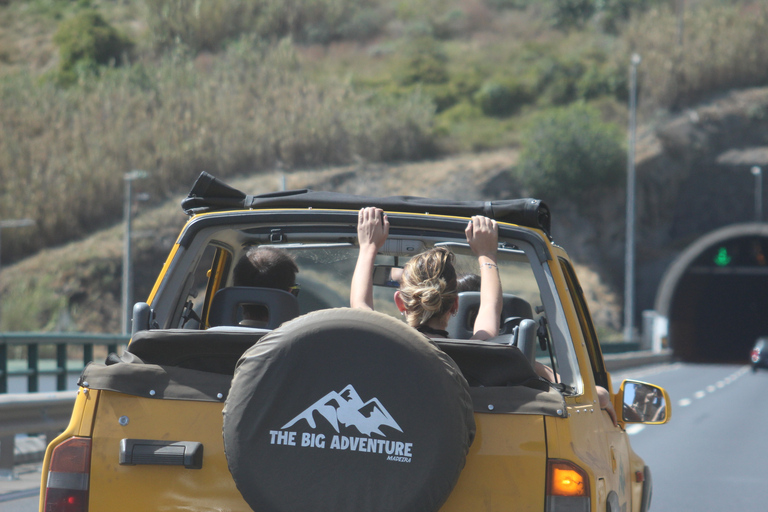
x=715 y=295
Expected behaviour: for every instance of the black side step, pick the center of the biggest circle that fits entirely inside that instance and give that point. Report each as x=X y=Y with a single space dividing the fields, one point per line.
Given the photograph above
x=163 y=453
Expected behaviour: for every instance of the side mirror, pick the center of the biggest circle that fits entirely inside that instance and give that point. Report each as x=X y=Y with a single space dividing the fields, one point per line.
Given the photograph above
x=387 y=275
x=142 y=318
x=644 y=403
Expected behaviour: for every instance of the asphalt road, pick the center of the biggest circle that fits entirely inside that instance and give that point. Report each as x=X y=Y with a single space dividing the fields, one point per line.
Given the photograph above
x=28 y=504
x=708 y=458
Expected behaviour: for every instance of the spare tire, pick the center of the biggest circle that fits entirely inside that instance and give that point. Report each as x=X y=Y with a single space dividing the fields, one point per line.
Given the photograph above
x=346 y=410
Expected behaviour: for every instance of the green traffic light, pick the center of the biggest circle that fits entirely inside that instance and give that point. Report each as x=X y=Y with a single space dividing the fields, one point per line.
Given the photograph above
x=722 y=258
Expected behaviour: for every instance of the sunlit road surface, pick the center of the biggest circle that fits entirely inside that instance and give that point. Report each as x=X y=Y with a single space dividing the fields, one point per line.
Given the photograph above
x=711 y=456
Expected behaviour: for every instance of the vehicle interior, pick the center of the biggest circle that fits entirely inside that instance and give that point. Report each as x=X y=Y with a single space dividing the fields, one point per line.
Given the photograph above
x=326 y=258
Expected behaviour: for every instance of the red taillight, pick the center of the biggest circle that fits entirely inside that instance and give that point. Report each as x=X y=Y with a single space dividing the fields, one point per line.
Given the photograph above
x=68 y=476
x=755 y=355
x=567 y=487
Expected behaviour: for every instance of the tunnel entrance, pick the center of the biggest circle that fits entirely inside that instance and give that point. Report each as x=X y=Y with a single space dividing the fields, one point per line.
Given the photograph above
x=715 y=295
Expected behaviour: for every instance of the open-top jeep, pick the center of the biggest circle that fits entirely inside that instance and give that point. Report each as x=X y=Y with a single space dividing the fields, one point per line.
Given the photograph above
x=327 y=408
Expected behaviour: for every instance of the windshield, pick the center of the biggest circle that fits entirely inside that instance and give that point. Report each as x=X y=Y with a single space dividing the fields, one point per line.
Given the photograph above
x=326 y=258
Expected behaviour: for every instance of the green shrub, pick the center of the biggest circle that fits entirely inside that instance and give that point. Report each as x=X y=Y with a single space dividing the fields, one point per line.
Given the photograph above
x=86 y=41
x=364 y=23
x=508 y=4
x=443 y=95
x=425 y=62
x=568 y=151
x=465 y=129
x=501 y=100
x=572 y=13
x=602 y=79
x=557 y=78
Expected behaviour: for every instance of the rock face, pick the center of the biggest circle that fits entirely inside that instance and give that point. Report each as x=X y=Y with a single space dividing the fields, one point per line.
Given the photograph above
x=693 y=176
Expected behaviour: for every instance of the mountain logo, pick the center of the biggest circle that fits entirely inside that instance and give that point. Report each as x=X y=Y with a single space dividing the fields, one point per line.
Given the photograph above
x=346 y=408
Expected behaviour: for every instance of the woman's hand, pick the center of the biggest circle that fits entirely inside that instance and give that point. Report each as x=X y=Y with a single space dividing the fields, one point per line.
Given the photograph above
x=372 y=227
x=483 y=236
x=372 y=232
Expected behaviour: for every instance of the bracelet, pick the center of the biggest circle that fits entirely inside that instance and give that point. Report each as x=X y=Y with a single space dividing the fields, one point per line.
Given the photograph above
x=489 y=265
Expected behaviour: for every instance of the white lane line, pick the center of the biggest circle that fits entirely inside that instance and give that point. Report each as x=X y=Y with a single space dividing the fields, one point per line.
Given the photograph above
x=685 y=402
x=634 y=428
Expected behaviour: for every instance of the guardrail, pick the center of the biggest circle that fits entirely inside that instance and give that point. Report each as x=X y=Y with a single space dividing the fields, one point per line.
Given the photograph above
x=59 y=365
x=47 y=413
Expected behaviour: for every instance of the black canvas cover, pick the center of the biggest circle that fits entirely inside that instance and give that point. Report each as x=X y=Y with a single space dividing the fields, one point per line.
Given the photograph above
x=347 y=410
x=211 y=194
x=185 y=364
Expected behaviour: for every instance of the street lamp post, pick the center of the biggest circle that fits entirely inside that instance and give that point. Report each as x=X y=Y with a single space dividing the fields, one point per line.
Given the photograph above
x=629 y=253
x=15 y=223
x=127 y=291
x=757 y=172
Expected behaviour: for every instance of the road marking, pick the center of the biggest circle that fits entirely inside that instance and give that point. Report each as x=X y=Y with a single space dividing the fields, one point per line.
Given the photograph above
x=634 y=428
x=685 y=402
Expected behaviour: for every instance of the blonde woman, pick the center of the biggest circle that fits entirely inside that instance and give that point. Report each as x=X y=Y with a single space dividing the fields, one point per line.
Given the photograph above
x=428 y=293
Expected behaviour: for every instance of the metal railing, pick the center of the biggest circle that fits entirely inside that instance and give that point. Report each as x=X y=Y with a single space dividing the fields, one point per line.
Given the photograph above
x=44 y=413
x=58 y=364
x=30 y=357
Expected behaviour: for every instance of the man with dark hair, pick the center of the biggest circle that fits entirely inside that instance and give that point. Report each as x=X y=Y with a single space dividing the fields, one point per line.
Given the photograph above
x=264 y=267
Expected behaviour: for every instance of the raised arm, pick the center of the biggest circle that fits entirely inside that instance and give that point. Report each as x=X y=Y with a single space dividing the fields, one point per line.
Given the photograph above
x=372 y=232
x=483 y=237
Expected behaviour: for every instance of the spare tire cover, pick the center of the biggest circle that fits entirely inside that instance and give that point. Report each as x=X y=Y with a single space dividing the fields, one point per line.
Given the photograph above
x=346 y=410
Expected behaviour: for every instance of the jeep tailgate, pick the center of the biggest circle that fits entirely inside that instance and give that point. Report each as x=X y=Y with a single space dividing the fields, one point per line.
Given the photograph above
x=505 y=469
x=116 y=487
x=506 y=466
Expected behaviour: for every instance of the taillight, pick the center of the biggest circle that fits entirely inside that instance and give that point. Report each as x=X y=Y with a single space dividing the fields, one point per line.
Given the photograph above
x=755 y=355
x=567 y=487
x=68 y=476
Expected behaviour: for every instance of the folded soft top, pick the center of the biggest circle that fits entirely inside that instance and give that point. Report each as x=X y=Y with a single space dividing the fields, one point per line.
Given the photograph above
x=211 y=194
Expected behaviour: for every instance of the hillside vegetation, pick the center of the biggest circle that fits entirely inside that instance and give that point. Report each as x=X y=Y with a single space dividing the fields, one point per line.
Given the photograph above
x=90 y=90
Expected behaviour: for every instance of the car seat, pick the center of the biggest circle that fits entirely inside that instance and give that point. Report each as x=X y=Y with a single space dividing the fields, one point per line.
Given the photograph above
x=514 y=309
x=226 y=307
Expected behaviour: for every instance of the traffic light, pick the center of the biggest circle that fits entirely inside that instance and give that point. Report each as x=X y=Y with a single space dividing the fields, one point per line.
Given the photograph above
x=722 y=258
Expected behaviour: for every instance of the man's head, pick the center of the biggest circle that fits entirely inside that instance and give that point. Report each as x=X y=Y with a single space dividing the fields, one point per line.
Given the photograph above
x=266 y=267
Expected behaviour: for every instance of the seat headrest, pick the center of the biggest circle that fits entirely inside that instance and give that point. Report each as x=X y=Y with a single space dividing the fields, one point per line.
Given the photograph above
x=462 y=325
x=226 y=307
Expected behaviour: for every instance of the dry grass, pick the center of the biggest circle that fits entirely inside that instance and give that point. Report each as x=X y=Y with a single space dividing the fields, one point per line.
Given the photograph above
x=722 y=47
x=63 y=152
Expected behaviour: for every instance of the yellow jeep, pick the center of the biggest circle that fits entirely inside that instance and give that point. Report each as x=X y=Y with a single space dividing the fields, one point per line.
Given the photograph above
x=326 y=408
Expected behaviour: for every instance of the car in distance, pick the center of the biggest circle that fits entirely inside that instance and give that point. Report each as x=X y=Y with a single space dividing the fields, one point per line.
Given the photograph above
x=327 y=408
x=759 y=354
